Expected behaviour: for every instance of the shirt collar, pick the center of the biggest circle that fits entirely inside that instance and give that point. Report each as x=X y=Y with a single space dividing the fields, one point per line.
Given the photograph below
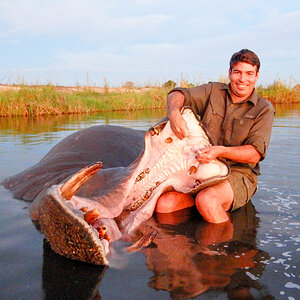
x=253 y=97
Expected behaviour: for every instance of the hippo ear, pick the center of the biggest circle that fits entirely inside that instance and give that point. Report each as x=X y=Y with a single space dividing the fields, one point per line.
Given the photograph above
x=69 y=188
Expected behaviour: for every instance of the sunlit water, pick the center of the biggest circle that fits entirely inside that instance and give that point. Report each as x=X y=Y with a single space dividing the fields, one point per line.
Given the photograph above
x=257 y=257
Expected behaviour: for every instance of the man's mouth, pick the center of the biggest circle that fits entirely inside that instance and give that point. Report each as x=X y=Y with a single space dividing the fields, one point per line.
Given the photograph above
x=242 y=86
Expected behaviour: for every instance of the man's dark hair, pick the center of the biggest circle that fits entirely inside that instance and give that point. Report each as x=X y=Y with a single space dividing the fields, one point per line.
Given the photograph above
x=246 y=56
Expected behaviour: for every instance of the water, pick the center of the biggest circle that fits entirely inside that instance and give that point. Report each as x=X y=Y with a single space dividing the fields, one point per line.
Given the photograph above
x=256 y=256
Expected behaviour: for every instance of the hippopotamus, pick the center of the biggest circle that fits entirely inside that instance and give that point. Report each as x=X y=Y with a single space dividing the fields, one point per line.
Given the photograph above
x=101 y=183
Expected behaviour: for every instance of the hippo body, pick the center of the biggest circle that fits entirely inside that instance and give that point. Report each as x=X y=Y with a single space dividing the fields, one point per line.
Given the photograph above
x=84 y=147
x=137 y=168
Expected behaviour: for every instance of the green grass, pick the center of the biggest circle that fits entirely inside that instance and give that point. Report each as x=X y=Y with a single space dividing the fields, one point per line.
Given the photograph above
x=47 y=100
x=36 y=101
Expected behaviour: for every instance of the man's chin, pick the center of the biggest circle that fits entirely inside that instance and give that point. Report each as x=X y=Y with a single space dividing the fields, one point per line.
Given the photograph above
x=242 y=92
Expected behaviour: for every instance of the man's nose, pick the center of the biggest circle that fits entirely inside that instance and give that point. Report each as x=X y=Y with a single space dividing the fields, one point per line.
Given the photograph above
x=242 y=77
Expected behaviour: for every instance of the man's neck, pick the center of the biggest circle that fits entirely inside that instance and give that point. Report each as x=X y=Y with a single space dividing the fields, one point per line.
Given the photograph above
x=236 y=99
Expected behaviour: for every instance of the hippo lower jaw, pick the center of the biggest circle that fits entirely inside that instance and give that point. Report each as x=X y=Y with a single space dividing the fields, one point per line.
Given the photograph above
x=167 y=163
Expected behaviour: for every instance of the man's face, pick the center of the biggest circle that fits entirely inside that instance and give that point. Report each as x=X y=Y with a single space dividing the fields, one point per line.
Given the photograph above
x=243 y=77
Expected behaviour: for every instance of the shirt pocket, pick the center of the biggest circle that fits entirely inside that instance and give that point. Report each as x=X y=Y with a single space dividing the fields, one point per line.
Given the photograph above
x=240 y=130
x=212 y=121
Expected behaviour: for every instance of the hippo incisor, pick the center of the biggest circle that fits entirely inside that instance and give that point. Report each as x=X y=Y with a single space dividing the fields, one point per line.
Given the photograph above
x=80 y=215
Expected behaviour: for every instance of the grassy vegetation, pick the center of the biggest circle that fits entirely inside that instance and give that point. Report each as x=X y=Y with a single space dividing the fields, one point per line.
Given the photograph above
x=47 y=100
x=278 y=92
x=36 y=101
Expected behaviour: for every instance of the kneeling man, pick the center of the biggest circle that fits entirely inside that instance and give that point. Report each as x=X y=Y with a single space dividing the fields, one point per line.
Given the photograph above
x=239 y=122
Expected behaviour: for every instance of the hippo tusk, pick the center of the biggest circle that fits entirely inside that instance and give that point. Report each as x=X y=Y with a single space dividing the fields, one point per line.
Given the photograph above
x=70 y=187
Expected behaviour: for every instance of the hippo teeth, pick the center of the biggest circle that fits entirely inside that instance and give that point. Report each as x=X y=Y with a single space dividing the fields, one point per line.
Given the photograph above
x=91 y=216
x=70 y=187
x=193 y=170
x=169 y=140
x=102 y=231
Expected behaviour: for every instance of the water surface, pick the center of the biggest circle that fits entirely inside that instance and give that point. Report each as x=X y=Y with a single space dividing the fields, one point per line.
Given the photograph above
x=256 y=256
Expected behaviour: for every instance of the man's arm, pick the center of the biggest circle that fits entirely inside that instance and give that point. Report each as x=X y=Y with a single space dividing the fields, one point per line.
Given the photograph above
x=244 y=154
x=175 y=102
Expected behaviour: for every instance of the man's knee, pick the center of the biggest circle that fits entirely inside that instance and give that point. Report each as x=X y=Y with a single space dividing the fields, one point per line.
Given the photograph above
x=164 y=203
x=173 y=201
x=220 y=195
x=205 y=201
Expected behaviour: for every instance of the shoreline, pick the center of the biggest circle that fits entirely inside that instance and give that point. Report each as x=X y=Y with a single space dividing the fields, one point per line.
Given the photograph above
x=37 y=100
x=75 y=89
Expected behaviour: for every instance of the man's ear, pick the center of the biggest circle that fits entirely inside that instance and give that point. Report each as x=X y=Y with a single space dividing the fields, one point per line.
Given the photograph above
x=229 y=73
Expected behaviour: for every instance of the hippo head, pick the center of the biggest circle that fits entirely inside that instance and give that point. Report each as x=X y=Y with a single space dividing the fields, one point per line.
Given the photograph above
x=81 y=216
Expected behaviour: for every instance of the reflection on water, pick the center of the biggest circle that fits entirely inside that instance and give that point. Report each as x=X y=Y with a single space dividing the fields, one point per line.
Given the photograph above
x=38 y=130
x=43 y=124
x=247 y=258
x=67 y=279
x=190 y=257
x=287 y=110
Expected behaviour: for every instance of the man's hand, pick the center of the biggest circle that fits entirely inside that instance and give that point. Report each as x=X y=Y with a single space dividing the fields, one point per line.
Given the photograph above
x=179 y=125
x=208 y=154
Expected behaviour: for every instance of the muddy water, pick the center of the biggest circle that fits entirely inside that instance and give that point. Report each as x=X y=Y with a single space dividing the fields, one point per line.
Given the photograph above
x=255 y=256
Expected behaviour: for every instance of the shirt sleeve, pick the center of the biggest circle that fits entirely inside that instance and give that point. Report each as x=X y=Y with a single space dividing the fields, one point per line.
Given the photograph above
x=196 y=97
x=260 y=133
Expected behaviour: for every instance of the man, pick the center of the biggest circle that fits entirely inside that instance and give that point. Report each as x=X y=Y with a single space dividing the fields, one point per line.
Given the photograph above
x=239 y=122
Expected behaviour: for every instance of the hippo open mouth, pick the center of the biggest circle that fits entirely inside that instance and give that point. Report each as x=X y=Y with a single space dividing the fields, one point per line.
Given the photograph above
x=83 y=215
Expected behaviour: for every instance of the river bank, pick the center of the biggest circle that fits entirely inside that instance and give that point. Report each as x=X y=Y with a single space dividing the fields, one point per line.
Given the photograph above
x=30 y=100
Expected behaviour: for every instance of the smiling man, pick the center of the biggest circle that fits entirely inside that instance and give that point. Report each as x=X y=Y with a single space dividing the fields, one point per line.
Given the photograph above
x=240 y=124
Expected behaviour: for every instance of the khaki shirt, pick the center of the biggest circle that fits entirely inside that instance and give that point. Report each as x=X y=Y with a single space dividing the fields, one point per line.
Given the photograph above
x=232 y=124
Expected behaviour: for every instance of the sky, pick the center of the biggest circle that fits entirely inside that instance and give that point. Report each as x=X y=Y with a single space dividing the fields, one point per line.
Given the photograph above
x=147 y=42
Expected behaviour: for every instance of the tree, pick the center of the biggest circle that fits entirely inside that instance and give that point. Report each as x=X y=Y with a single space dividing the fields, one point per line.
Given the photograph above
x=128 y=85
x=170 y=84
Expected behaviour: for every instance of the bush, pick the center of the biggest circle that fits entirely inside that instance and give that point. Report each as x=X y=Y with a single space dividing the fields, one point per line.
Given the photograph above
x=169 y=84
x=128 y=85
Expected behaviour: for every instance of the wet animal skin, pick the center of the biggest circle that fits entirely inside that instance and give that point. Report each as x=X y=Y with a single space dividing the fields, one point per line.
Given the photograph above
x=128 y=194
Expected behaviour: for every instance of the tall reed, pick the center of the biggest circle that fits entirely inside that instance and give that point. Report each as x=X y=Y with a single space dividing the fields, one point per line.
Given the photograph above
x=278 y=92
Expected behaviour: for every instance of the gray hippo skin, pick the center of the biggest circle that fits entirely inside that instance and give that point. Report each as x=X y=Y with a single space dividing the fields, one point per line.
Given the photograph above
x=82 y=211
